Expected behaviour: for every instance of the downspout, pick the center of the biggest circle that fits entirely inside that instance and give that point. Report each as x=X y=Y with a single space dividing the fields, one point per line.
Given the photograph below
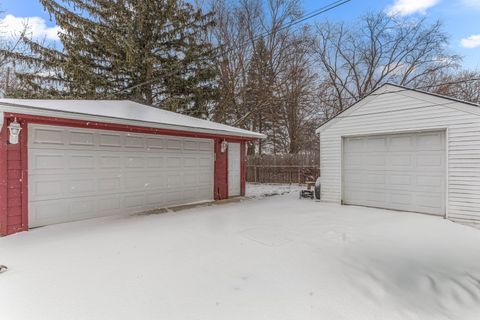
x=1 y=120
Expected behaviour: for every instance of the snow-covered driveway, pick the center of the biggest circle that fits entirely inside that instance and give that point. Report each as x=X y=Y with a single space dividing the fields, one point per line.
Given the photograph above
x=272 y=258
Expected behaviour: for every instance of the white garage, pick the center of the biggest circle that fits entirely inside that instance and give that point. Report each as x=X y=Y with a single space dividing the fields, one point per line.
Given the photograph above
x=68 y=160
x=407 y=150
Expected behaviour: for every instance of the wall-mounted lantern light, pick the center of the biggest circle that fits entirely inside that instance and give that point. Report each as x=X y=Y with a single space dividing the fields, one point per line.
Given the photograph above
x=14 y=129
x=223 y=146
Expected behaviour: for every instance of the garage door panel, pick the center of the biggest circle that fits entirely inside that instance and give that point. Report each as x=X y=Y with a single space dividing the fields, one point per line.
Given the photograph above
x=401 y=181
x=108 y=204
x=376 y=178
x=400 y=198
x=429 y=161
x=134 y=142
x=81 y=186
x=50 y=188
x=46 y=136
x=110 y=161
x=46 y=161
x=112 y=172
x=399 y=161
x=400 y=143
x=372 y=197
x=155 y=162
x=355 y=145
x=81 y=138
x=374 y=160
x=430 y=141
x=81 y=161
x=204 y=146
x=134 y=201
x=109 y=184
x=190 y=145
x=354 y=161
x=376 y=144
x=412 y=178
x=174 y=144
x=428 y=181
x=110 y=140
x=155 y=143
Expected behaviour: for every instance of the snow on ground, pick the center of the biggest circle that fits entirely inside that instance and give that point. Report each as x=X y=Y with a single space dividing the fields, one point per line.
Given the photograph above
x=270 y=258
x=257 y=190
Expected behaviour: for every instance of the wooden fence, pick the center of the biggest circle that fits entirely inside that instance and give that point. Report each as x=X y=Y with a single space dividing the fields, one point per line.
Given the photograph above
x=281 y=173
x=287 y=168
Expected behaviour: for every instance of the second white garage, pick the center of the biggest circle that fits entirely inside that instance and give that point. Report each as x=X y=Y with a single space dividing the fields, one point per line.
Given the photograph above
x=407 y=150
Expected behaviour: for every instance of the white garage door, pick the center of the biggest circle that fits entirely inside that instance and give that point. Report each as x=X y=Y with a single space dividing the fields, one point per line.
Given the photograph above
x=402 y=171
x=233 y=169
x=83 y=173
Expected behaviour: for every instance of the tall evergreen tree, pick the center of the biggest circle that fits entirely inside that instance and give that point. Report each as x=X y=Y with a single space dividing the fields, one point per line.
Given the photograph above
x=152 y=51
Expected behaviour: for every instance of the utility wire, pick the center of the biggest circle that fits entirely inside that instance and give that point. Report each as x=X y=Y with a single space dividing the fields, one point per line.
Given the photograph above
x=303 y=18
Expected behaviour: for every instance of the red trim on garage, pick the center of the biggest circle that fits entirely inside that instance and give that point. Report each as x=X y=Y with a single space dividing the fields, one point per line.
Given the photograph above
x=221 y=172
x=14 y=163
x=243 y=167
x=119 y=127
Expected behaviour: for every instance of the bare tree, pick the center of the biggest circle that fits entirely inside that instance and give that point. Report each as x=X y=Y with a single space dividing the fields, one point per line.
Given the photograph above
x=463 y=85
x=357 y=59
x=297 y=106
x=265 y=72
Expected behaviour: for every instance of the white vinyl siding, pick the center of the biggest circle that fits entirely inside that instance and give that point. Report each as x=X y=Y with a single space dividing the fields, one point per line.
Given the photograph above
x=409 y=111
x=77 y=173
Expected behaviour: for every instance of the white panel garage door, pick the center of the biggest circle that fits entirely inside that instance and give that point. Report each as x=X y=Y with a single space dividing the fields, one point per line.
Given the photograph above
x=83 y=173
x=402 y=171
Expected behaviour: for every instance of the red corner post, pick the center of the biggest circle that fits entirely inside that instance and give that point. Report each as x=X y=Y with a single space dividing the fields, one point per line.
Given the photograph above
x=243 y=167
x=220 y=184
x=13 y=181
x=3 y=178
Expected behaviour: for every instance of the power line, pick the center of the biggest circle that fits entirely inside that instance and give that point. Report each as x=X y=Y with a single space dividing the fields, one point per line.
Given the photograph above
x=303 y=18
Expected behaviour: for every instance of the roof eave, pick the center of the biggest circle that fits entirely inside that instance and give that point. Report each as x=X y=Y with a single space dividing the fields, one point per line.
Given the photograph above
x=35 y=111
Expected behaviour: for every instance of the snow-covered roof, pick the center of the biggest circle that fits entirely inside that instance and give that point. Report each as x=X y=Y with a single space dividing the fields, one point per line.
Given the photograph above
x=122 y=112
x=395 y=88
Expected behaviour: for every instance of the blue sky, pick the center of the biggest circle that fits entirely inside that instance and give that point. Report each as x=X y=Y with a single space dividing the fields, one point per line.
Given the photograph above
x=461 y=18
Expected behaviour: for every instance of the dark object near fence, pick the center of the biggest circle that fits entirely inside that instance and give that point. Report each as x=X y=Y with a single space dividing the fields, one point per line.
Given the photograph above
x=306 y=194
x=317 y=189
x=309 y=192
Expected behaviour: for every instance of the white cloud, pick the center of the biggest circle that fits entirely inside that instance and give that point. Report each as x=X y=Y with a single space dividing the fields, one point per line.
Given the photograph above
x=36 y=27
x=406 y=7
x=472 y=3
x=471 y=42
